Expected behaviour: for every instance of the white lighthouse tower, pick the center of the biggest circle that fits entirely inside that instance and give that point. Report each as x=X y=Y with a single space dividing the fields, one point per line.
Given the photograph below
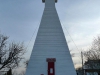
x=50 y=54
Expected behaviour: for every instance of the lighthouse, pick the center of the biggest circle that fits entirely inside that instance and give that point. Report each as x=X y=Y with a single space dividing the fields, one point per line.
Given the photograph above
x=50 y=54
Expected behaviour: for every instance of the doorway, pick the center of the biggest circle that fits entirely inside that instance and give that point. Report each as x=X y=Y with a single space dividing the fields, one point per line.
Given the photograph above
x=51 y=66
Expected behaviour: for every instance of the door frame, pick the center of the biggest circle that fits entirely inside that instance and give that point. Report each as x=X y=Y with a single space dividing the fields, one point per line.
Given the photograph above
x=51 y=61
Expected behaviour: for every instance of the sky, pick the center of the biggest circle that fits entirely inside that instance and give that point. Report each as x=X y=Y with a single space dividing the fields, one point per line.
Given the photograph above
x=80 y=20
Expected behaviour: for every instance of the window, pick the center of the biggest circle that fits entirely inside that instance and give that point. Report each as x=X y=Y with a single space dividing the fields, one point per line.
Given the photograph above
x=51 y=70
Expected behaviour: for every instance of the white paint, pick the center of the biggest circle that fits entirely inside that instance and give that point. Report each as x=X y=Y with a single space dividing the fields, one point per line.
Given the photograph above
x=50 y=43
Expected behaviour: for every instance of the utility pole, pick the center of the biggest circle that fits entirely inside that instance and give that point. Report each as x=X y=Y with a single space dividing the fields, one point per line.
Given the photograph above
x=82 y=63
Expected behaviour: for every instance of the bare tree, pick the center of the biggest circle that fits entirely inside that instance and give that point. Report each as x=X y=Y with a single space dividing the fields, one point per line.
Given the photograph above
x=93 y=54
x=10 y=54
x=19 y=73
x=26 y=63
x=3 y=41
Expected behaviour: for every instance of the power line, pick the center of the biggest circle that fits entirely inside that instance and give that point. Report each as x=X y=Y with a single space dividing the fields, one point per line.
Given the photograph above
x=31 y=37
x=72 y=40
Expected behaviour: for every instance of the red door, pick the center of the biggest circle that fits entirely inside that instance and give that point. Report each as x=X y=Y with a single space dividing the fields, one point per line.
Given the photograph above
x=51 y=69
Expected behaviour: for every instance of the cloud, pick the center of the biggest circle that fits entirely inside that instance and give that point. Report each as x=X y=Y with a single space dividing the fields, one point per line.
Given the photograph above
x=20 y=18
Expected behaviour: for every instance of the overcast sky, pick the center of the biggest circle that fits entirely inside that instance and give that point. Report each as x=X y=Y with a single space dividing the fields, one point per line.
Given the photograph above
x=20 y=19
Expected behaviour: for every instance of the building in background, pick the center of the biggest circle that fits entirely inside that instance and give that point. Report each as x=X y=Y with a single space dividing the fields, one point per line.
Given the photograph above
x=92 y=67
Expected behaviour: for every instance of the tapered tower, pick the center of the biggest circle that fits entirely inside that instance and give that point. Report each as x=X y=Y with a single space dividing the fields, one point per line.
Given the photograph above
x=50 y=55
